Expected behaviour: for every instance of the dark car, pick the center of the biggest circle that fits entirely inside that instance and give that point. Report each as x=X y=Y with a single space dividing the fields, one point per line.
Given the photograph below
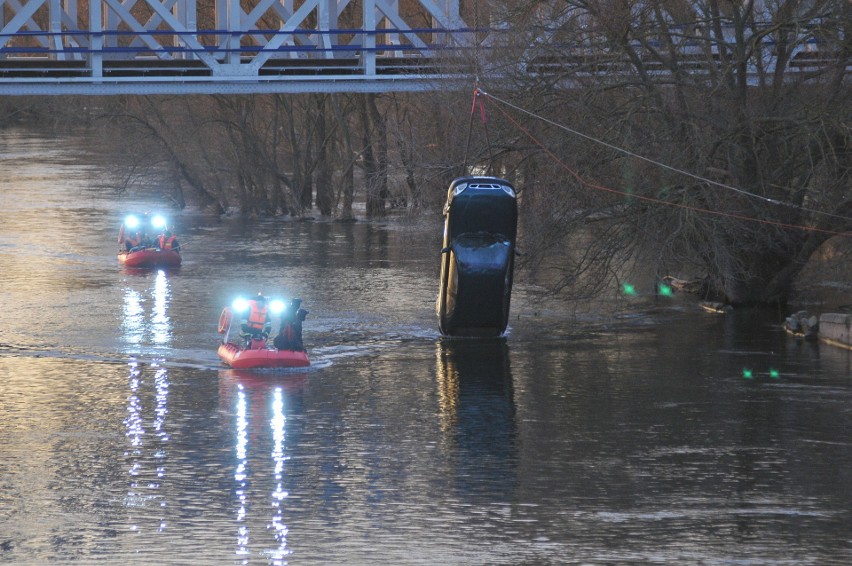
x=478 y=257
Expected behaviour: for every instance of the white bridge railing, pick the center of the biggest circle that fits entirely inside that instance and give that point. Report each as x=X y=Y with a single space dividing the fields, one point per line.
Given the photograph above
x=158 y=46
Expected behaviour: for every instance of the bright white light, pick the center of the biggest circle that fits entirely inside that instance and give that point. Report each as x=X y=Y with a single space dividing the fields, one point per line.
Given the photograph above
x=160 y=322
x=158 y=222
x=131 y=222
x=240 y=305
x=277 y=306
x=133 y=321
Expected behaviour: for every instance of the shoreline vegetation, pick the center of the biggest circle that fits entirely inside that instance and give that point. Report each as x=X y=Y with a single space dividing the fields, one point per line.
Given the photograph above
x=736 y=178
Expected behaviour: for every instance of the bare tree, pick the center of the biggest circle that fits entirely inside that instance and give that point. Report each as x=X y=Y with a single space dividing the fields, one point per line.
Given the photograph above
x=324 y=132
x=375 y=155
x=710 y=136
x=348 y=157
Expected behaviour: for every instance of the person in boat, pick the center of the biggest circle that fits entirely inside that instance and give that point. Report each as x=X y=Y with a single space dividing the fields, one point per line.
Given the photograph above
x=257 y=324
x=132 y=241
x=167 y=241
x=147 y=241
x=290 y=335
x=138 y=242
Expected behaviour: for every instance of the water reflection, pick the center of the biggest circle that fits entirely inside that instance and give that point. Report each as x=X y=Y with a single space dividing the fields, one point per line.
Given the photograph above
x=477 y=410
x=146 y=459
x=240 y=474
x=161 y=330
x=257 y=400
x=277 y=423
x=152 y=326
x=570 y=442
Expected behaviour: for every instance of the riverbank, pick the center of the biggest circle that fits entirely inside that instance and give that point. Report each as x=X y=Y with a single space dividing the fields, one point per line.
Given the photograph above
x=834 y=329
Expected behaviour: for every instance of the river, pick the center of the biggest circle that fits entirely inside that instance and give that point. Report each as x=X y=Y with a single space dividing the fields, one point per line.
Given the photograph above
x=663 y=435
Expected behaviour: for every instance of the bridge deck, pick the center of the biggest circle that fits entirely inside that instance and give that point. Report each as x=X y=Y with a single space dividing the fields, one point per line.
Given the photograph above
x=32 y=75
x=117 y=47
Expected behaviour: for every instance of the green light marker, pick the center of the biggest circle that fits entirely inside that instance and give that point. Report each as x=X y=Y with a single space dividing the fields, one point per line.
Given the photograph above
x=665 y=290
x=774 y=373
x=747 y=373
x=629 y=289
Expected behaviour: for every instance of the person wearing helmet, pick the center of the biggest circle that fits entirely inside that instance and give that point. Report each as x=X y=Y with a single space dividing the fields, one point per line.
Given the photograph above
x=257 y=324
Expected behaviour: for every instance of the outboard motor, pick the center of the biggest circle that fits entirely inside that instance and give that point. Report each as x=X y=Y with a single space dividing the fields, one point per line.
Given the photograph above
x=478 y=257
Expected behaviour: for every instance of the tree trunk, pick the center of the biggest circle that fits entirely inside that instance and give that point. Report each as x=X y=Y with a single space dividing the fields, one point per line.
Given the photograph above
x=349 y=157
x=375 y=155
x=325 y=188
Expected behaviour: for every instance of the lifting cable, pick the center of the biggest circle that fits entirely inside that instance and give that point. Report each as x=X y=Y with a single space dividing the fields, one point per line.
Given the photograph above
x=479 y=94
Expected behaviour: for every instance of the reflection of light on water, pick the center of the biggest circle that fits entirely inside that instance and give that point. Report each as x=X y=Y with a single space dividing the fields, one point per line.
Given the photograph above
x=135 y=431
x=133 y=422
x=161 y=385
x=448 y=389
x=160 y=323
x=135 y=323
x=141 y=491
x=277 y=423
x=240 y=475
x=134 y=319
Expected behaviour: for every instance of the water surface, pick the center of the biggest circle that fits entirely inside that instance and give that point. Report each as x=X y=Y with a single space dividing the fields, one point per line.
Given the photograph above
x=598 y=441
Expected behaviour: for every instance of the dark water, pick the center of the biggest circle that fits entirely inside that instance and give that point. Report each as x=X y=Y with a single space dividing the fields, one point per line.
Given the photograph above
x=630 y=440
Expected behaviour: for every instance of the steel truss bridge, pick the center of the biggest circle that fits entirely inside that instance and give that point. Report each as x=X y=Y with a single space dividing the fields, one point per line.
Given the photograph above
x=225 y=46
x=97 y=47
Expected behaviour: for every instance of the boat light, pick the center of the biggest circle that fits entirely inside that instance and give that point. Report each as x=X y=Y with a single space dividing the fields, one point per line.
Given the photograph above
x=158 y=222
x=277 y=306
x=131 y=222
x=240 y=305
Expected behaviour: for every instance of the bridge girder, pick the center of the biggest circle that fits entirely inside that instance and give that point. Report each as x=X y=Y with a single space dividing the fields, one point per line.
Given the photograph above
x=157 y=46
x=244 y=46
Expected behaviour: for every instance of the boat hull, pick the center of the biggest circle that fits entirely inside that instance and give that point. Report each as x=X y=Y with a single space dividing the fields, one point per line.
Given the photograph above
x=150 y=258
x=239 y=358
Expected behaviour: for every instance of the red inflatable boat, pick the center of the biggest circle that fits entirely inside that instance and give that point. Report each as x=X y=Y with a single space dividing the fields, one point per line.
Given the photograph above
x=257 y=355
x=146 y=255
x=150 y=257
x=243 y=358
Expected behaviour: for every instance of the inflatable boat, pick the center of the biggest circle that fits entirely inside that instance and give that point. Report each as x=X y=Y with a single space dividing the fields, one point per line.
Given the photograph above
x=137 y=249
x=240 y=357
x=150 y=257
x=256 y=354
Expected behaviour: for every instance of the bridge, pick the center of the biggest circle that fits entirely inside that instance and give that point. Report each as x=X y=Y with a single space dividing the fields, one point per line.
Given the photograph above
x=99 y=47
x=158 y=46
